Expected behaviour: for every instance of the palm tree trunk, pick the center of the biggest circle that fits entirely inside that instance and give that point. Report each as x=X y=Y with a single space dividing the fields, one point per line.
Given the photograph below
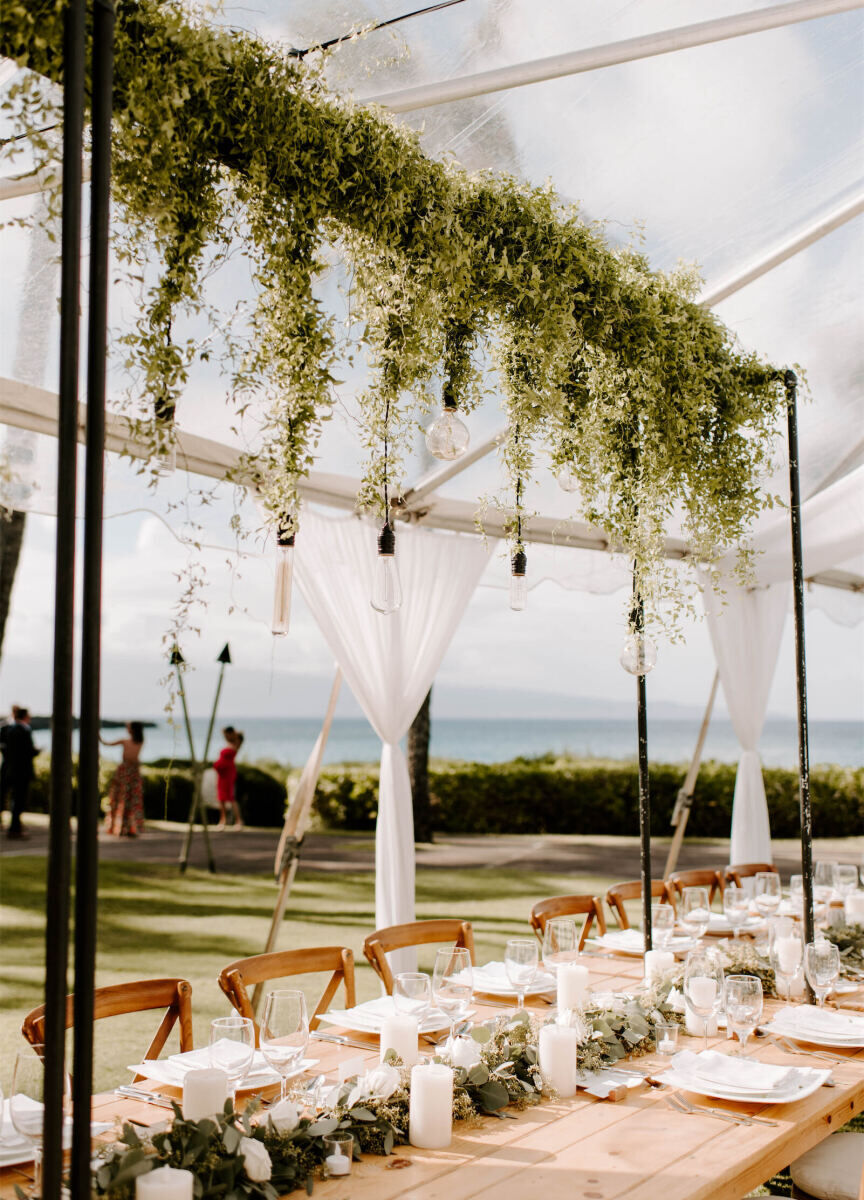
x=11 y=537
x=418 y=771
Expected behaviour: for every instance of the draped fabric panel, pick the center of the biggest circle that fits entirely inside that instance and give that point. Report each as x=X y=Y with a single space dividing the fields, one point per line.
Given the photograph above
x=390 y=661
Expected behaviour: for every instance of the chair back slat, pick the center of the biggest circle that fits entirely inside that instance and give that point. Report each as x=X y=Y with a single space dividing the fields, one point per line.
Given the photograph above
x=631 y=889
x=569 y=906
x=735 y=872
x=414 y=933
x=705 y=877
x=238 y=977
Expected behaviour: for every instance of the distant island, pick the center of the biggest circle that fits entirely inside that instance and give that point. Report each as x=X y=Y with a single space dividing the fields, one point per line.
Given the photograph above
x=105 y=723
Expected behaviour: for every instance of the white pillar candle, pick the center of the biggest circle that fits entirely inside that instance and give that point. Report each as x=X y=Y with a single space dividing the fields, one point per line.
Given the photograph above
x=656 y=962
x=695 y=1026
x=165 y=1183
x=430 y=1119
x=853 y=908
x=788 y=951
x=558 y=1048
x=204 y=1093
x=572 y=985
x=399 y=1033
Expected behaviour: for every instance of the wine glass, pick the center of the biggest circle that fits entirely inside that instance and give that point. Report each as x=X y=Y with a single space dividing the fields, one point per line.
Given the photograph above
x=823 y=881
x=284 y=1034
x=560 y=941
x=232 y=1045
x=694 y=913
x=845 y=878
x=796 y=894
x=821 y=967
x=521 y=960
x=743 y=997
x=787 y=950
x=453 y=984
x=703 y=986
x=768 y=894
x=736 y=904
x=27 y=1105
x=662 y=924
x=412 y=994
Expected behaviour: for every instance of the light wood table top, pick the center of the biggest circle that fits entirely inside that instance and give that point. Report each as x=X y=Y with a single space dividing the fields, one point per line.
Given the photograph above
x=583 y=1149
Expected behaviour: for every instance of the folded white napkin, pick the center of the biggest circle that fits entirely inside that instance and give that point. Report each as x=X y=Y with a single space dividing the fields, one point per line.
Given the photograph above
x=744 y=1073
x=493 y=977
x=826 y=1021
x=171 y=1071
x=623 y=939
x=370 y=1016
x=16 y=1147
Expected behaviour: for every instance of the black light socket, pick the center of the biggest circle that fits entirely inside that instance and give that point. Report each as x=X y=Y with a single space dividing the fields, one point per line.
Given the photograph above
x=387 y=540
x=519 y=562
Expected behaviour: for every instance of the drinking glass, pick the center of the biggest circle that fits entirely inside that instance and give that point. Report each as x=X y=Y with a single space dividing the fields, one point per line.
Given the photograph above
x=703 y=985
x=232 y=1045
x=27 y=1105
x=662 y=924
x=823 y=881
x=787 y=950
x=796 y=894
x=412 y=994
x=453 y=983
x=736 y=904
x=821 y=967
x=845 y=878
x=559 y=943
x=694 y=912
x=767 y=895
x=743 y=995
x=520 y=959
x=284 y=1034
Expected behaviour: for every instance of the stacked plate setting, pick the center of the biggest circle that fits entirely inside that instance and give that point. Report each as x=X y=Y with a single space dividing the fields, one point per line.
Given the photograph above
x=722 y=1077
x=820 y=1026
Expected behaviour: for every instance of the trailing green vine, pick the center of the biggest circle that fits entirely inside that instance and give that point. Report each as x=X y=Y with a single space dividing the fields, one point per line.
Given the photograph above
x=224 y=141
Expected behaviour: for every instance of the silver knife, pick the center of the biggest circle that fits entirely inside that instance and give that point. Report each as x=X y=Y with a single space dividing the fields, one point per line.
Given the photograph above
x=132 y=1093
x=342 y=1041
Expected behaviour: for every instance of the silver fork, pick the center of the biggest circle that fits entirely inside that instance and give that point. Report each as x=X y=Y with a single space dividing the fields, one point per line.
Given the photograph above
x=741 y=1118
x=679 y=1104
x=783 y=1043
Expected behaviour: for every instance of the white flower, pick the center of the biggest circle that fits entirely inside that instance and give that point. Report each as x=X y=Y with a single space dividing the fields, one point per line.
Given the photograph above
x=256 y=1160
x=284 y=1116
x=383 y=1081
x=463 y=1052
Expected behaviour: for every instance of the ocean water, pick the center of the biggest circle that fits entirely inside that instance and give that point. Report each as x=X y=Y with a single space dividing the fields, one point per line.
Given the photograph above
x=491 y=740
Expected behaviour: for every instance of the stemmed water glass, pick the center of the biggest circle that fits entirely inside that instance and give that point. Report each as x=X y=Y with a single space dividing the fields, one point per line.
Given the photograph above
x=703 y=986
x=768 y=893
x=453 y=984
x=736 y=904
x=27 y=1106
x=823 y=881
x=284 y=1034
x=821 y=967
x=743 y=997
x=521 y=960
x=662 y=924
x=232 y=1046
x=412 y=994
x=845 y=879
x=694 y=913
x=560 y=941
x=786 y=951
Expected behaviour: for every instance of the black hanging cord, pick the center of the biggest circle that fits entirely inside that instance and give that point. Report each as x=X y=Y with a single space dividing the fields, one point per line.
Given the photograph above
x=637 y=624
x=346 y=37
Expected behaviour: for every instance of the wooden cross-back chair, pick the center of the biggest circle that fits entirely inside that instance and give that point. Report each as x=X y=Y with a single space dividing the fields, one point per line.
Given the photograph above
x=735 y=872
x=631 y=889
x=705 y=877
x=590 y=907
x=414 y=933
x=119 y=999
x=239 y=977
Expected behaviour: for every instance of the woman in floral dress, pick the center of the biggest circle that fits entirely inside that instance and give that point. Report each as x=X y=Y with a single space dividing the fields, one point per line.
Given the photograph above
x=126 y=815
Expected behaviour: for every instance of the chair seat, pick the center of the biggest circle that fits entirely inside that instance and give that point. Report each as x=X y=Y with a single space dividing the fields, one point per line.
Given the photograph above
x=833 y=1169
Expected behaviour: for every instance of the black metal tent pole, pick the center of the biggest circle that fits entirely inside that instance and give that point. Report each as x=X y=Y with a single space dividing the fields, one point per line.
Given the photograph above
x=57 y=899
x=87 y=841
x=791 y=383
x=637 y=621
x=179 y=664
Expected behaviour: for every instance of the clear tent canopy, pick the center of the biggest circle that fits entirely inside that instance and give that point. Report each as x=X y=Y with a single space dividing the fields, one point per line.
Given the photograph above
x=714 y=154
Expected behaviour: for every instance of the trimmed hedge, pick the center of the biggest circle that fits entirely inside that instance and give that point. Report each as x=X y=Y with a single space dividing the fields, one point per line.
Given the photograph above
x=539 y=795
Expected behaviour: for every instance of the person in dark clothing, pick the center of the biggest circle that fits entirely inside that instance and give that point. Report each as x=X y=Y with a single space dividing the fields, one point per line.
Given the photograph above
x=16 y=773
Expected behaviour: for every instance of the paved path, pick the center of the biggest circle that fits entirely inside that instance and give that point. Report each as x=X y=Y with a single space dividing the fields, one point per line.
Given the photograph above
x=251 y=851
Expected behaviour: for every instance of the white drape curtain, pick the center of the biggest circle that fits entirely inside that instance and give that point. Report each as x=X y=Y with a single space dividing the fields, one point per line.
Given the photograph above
x=746 y=632
x=389 y=662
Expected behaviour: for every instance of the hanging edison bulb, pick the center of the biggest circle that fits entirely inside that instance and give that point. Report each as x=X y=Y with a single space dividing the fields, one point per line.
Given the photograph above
x=165 y=461
x=638 y=654
x=165 y=457
x=284 y=580
x=386 y=585
x=447 y=437
x=567 y=478
x=518 y=582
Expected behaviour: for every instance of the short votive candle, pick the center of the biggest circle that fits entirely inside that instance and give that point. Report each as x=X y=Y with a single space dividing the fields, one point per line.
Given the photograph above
x=165 y=1183
x=399 y=1032
x=204 y=1093
x=430 y=1118
x=559 y=1045
x=666 y=1037
x=572 y=985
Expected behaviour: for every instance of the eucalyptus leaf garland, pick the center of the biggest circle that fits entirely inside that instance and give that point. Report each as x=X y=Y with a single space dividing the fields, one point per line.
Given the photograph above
x=457 y=283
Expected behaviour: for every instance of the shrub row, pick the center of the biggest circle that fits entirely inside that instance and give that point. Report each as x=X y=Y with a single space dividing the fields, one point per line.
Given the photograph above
x=540 y=795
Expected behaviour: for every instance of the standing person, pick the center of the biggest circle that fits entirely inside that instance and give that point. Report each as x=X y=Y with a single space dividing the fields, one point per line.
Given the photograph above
x=16 y=774
x=225 y=767
x=126 y=815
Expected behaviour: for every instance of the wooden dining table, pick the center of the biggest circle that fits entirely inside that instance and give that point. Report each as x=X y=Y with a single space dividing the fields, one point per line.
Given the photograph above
x=637 y=1148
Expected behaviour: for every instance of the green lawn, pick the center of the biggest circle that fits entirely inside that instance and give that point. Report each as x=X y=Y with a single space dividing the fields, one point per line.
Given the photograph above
x=154 y=922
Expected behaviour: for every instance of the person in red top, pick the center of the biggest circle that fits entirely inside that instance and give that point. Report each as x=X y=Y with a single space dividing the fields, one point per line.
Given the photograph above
x=226 y=771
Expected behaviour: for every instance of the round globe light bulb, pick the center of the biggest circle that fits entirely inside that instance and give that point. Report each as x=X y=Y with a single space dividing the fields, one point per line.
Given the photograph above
x=638 y=654
x=447 y=437
x=567 y=480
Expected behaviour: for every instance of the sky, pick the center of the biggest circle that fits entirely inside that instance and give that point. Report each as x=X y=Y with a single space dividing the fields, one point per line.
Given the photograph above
x=717 y=153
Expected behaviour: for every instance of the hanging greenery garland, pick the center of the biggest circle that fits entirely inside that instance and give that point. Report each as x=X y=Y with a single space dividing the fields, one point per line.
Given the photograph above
x=221 y=139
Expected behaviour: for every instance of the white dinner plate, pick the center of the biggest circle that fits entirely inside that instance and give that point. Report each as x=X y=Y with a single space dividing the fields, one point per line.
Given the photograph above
x=810 y=1082
x=823 y=1028
x=492 y=980
x=370 y=1016
x=630 y=943
x=171 y=1073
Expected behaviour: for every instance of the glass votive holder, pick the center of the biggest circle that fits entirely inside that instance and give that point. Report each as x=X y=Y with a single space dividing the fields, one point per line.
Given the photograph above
x=338 y=1153
x=666 y=1035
